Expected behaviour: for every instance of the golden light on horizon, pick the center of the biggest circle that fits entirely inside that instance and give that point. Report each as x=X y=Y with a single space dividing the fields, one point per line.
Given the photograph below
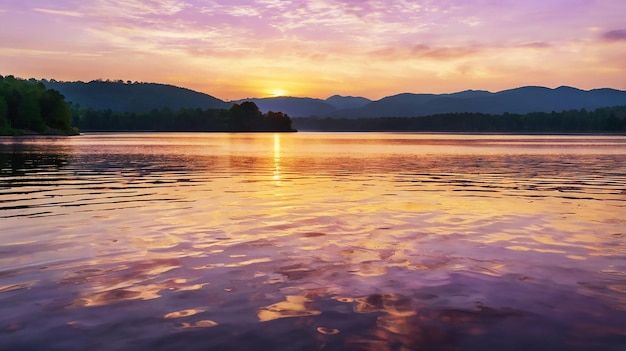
x=318 y=50
x=278 y=92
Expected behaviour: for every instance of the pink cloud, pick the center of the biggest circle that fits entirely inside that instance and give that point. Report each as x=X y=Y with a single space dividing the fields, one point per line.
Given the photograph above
x=346 y=41
x=615 y=35
x=60 y=12
x=427 y=52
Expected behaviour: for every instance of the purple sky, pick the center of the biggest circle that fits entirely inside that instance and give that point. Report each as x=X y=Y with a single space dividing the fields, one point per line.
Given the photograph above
x=255 y=48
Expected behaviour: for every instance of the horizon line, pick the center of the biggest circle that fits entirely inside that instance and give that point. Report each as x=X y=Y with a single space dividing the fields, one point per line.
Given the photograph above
x=126 y=82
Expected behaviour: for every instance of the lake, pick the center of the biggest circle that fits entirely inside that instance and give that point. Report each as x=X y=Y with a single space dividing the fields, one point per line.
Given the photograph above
x=312 y=241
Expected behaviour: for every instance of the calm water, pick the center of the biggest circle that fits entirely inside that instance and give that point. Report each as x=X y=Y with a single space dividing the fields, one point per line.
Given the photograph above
x=313 y=241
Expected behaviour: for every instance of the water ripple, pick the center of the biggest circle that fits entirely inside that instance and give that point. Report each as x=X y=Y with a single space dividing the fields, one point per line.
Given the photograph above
x=334 y=242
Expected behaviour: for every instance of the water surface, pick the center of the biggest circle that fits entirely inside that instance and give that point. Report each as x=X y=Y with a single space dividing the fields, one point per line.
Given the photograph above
x=313 y=241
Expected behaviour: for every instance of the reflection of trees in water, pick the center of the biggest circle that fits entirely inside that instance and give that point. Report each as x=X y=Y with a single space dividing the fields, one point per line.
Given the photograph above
x=38 y=182
x=28 y=160
x=23 y=163
x=32 y=155
x=140 y=164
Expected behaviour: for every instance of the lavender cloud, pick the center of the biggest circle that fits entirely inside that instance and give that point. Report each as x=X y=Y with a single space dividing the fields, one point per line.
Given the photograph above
x=615 y=35
x=378 y=42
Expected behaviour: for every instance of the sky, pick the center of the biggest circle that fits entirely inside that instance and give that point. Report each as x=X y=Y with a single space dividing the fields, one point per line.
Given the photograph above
x=234 y=49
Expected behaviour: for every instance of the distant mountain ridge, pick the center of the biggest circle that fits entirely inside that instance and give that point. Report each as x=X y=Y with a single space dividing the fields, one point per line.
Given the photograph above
x=139 y=97
x=519 y=100
x=347 y=102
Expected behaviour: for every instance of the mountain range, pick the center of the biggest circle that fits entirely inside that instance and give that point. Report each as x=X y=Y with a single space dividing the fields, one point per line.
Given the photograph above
x=138 y=97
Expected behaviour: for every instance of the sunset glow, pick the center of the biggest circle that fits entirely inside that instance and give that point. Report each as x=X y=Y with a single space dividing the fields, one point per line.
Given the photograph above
x=317 y=48
x=278 y=92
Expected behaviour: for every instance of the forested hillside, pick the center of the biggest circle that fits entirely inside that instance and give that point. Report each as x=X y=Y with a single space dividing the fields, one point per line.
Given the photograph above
x=27 y=106
x=244 y=117
x=603 y=120
x=120 y=96
x=33 y=106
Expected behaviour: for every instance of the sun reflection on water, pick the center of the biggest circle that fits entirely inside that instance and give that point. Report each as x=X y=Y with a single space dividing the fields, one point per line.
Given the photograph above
x=358 y=248
x=277 y=158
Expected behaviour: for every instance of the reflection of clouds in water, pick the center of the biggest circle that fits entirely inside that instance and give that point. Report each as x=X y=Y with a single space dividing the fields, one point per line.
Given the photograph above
x=389 y=303
x=393 y=249
x=183 y=313
x=293 y=306
x=400 y=323
x=140 y=280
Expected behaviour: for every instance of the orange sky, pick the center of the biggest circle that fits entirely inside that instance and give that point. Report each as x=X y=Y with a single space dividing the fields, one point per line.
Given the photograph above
x=257 y=48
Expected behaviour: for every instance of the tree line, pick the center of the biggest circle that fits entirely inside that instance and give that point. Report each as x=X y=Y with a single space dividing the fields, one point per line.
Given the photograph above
x=27 y=106
x=244 y=117
x=606 y=119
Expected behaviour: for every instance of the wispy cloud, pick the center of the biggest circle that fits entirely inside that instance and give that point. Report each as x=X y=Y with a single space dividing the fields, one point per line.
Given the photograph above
x=34 y=52
x=378 y=45
x=130 y=8
x=536 y=45
x=59 y=12
x=422 y=51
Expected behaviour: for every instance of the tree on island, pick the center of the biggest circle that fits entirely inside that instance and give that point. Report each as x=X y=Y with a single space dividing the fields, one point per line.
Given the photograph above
x=247 y=116
x=29 y=106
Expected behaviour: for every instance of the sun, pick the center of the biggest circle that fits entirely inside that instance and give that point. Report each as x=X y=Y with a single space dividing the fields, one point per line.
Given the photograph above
x=278 y=92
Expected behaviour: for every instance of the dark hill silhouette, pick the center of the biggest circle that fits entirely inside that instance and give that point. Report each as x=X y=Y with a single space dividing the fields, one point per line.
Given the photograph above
x=519 y=100
x=293 y=106
x=143 y=97
x=347 y=102
x=468 y=94
x=396 y=105
x=133 y=97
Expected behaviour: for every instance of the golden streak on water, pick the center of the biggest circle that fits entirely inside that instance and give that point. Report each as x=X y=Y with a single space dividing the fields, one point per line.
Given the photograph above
x=277 y=158
x=389 y=303
x=327 y=331
x=408 y=232
x=20 y=286
x=183 y=313
x=294 y=306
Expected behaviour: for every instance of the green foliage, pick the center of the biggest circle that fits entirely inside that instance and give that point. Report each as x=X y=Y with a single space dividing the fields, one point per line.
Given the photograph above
x=601 y=120
x=244 y=117
x=4 y=121
x=29 y=106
